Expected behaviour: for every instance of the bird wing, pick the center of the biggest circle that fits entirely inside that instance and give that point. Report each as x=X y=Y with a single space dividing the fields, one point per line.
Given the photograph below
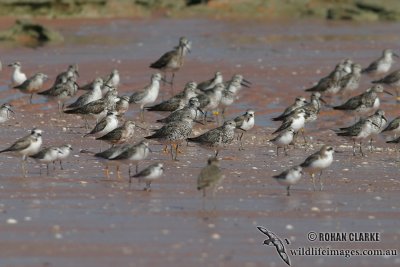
x=163 y=60
x=99 y=126
x=372 y=67
x=285 y=124
x=143 y=173
x=212 y=136
x=137 y=96
x=113 y=135
x=310 y=159
x=350 y=104
x=20 y=144
x=392 y=125
x=390 y=78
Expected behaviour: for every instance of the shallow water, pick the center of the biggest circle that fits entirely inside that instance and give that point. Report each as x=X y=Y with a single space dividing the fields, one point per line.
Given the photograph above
x=76 y=217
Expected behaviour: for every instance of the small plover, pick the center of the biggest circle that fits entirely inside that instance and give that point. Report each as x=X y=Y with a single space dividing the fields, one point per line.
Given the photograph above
x=105 y=125
x=93 y=95
x=26 y=146
x=218 y=78
x=217 y=137
x=148 y=95
x=66 y=151
x=289 y=177
x=17 y=77
x=392 y=80
x=394 y=126
x=245 y=123
x=173 y=60
x=191 y=109
x=382 y=64
x=133 y=154
x=317 y=162
x=5 y=112
x=46 y=156
x=174 y=133
x=119 y=135
x=283 y=139
x=298 y=103
x=32 y=85
x=210 y=176
x=149 y=174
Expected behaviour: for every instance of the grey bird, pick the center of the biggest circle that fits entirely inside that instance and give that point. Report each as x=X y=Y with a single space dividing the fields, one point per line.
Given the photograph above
x=393 y=126
x=17 y=77
x=392 y=80
x=46 y=156
x=351 y=81
x=66 y=152
x=105 y=125
x=122 y=105
x=289 y=177
x=72 y=71
x=298 y=102
x=149 y=174
x=106 y=156
x=119 y=135
x=379 y=122
x=32 y=85
x=5 y=112
x=244 y=123
x=217 y=137
x=192 y=109
x=328 y=85
x=210 y=99
x=382 y=64
x=93 y=95
x=210 y=176
x=211 y=83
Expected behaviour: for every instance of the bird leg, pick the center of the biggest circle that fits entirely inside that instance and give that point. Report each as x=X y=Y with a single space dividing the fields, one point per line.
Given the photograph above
x=118 y=172
x=61 y=166
x=313 y=181
x=30 y=99
x=288 y=190
x=362 y=153
x=176 y=151
x=240 y=141
x=47 y=167
x=107 y=172
x=142 y=114
x=321 y=186
x=354 y=147
x=371 y=148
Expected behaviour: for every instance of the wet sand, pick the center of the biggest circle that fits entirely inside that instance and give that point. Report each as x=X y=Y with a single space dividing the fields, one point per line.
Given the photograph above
x=75 y=217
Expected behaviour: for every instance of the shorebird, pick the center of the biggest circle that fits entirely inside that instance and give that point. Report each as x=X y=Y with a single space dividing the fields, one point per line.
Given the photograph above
x=17 y=77
x=106 y=156
x=111 y=81
x=345 y=67
x=5 y=112
x=178 y=101
x=289 y=177
x=26 y=146
x=32 y=85
x=210 y=176
x=328 y=85
x=313 y=108
x=62 y=92
x=149 y=174
x=46 y=156
x=283 y=139
x=298 y=103
x=229 y=94
x=174 y=133
x=119 y=135
x=317 y=162
x=379 y=122
x=66 y=151
x=148 y=95
x=382 y=64
x=72 y=71
x=105 y=125
x=133 y=154
x=93 y=95
x=357 y=132
x=393 y=126
x=365 y=102
x=217 y=137
x=393 y=80
x=351 y=81
x=295 y=121
x=210 y=99
x=173 y=60
x=192 y=109
x=122 y=105
x=244 y=123
x=218 y=78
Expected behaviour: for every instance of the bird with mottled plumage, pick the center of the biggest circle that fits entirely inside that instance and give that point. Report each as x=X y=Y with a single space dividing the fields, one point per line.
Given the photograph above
x=382 y=64
x=17 y=77
x=289 y=177
x=32 y=85
x=119 y=135
x=379 y=122
x=217 y=137
x=46 y=156
x=149 y=174
x=351 y=81
x=298 y=103
x=317 y=162
x=174 y=133
x=5 y=112
x=105 y=125
x=393 y=126
x=122 y=105
x=93 y=95
x=244 y=123
x=313 y=107
x=180 y=99
x=71 y=72
x=210 y=176
x=211 y=83
x=328 y=85
x=192 y=109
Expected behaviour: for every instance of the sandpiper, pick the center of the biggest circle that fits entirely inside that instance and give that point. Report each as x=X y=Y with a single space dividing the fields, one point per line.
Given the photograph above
x=32 y=85
x=148 y=95
x=393 y=126
x=72 y=71
x=210 y=99
x=382 y=64
x=210 y=176
x=351 y=81
x=218 y=78
x=289 y=177
x=119 y=135
x=295 y=121
x=379 y=122
x=66 y=151
x=17 y=77
x=393 y=80
x=26 y=146
x=283 y=140
x=191 y=109
x=122 y=105
x=93 y=95
x=111 y=81
x=108 y=154
x=317 y=162
x=5 y=112
x=133 y=154
x=173 y=60
x=328 y=85
x=180 y=99
x=174 y=133
x=217 y=137
x=46 y=156
x=149 y=174
x=244 y=123
x=313 y=108
x=105 y=125
x=229 y=94
x=298 y=103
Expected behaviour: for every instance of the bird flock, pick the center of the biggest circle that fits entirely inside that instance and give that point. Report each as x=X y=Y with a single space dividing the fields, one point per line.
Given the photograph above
x=201 y=103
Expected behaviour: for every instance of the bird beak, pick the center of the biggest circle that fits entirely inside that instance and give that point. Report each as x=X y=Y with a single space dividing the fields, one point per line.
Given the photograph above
x=9 y=109
x=199 y=122
x=76 y=84
x=10 y=65
x=77 y=73
x=396 y=55
x=323 y=101
x=246 y=81
x=199 y=109
x=387 y=92
x=245 y=85
x=140 y=127
x=188 y=48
